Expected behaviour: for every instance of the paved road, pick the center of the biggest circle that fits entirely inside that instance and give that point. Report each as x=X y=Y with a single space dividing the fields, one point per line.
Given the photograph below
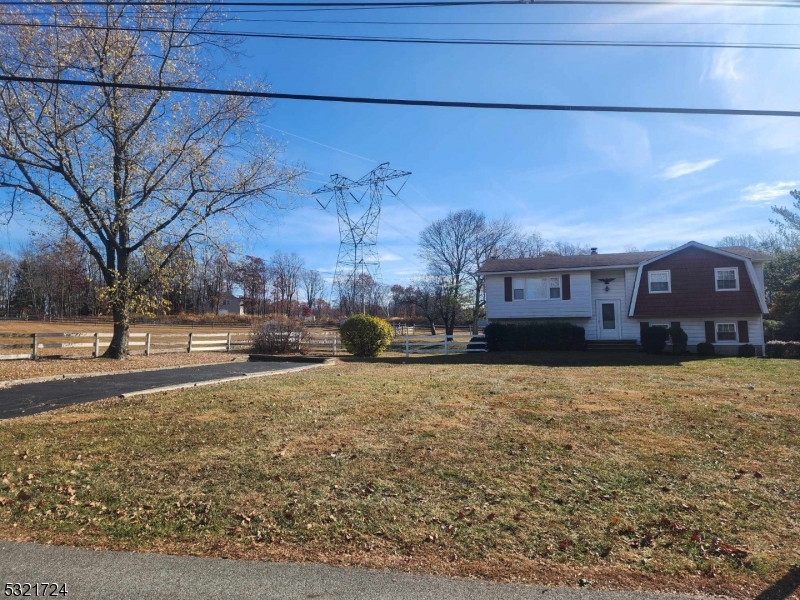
x=123 y=575
x=34 y=398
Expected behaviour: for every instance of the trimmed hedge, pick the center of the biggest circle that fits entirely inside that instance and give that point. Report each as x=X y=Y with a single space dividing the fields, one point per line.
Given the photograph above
x=654 y=339
x=502 y=337
x=747 y=351
x=783 y=349
x=706 y=349
x=680 y=340
x=363 y=335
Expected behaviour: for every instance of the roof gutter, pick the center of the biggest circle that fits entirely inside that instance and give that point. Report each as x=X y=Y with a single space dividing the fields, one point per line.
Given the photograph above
x=604 y=268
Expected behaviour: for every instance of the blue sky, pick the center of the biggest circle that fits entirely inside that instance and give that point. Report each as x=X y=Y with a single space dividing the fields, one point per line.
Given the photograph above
x=604 y=180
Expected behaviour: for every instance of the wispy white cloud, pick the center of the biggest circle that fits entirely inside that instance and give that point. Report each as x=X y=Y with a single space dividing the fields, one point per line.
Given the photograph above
x=390 y=257
x=768 y=192
x=723 y=66
x=679 y=169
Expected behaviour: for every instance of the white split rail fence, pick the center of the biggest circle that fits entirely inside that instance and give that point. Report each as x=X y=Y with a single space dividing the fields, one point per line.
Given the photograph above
x=148 y=343
x=145 y=343
x=442 y=344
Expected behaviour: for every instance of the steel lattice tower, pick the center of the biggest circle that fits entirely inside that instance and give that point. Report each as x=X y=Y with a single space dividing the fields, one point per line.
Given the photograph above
x=358 y=208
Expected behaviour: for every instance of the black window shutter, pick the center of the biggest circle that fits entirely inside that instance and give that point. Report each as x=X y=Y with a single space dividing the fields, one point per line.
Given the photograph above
x=711 y=334
x=642 y=326
x=566 y=291
x=509 y=292
x=675 y=324
x=744 y=333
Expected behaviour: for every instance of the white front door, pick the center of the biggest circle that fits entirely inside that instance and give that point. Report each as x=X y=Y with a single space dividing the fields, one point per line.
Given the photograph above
x=608 y=326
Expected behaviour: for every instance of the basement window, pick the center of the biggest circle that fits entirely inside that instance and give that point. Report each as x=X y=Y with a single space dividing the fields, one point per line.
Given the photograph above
x=659 y=282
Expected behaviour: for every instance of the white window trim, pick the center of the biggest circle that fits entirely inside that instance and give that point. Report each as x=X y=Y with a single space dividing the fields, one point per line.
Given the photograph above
x=716 y=332
x=664 y=325
x=716 y=279
x=669 y=282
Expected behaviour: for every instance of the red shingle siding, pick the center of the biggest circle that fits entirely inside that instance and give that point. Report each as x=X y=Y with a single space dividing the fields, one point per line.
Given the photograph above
x=693 y=288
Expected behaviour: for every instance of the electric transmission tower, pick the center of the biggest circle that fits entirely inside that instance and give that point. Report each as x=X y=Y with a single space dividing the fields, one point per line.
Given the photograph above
x=358 y=208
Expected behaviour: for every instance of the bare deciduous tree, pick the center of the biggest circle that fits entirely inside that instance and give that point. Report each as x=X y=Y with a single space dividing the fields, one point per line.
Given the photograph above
x=489 y=241
x=120 y=166
x=524 y=245
x=313 y=286
x=285 y=272
x=447 y=245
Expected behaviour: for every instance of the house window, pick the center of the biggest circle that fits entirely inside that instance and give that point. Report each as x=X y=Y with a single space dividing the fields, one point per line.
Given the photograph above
x=519 y=289
x=554 y=284
x=660 y=282
x=726 y=332
x=664 y=325
x=727 y=279
x=545 y=288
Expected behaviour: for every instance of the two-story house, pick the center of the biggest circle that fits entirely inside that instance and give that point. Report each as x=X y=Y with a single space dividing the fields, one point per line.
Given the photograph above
x=715 y=294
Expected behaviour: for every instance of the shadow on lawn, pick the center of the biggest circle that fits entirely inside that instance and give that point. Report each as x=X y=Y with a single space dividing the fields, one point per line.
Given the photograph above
x=545 y=359
x=783 y=588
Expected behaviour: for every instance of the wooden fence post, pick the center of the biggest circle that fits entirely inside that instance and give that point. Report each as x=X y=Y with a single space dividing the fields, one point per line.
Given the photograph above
x=445 y=344
x=406 y=344
x=35 y=353
x=147 y=344
x=335 y=337
x=229 y=342
x=189 y=349
x=96 y=352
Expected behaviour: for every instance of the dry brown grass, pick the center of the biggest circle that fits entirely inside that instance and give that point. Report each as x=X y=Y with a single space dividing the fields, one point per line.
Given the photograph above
x=540 y=468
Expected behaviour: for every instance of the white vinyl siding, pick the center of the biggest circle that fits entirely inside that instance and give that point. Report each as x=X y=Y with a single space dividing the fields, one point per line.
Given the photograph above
x=696 y=331
x=727 y=279
x=579 y=304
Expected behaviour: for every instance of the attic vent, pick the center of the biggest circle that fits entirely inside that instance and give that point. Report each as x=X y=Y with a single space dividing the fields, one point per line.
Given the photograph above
x=594 y=250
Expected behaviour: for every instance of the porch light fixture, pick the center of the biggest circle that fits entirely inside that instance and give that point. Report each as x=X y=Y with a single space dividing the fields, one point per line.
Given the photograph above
x=607 y=280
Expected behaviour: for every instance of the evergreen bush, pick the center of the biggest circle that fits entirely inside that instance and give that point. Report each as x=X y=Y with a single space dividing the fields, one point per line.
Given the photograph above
x=363 y=335
x=502 y=337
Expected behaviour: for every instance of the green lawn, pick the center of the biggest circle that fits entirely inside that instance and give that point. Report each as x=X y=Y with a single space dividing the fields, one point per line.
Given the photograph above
x=626 y=470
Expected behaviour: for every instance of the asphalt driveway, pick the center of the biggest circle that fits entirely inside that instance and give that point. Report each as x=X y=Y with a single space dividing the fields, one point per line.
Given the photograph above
x=32 y=398
x=127 y=575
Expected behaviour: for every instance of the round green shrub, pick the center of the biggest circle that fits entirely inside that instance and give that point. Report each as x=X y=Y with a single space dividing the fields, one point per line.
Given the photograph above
x=747 y=351
x=363 y=335
x=680 y=339
x=706 y=349
x=654 y=339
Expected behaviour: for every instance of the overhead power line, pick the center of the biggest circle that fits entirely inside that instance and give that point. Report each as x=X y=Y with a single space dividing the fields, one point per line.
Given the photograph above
x=522 y=23
x=409 y=102
x=413 y=3
x=434 y=41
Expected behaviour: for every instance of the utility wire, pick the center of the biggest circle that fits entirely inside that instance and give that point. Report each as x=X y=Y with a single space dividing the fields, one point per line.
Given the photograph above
x=408 y=102
x=413 y=4
x=434 y=41
x=516 y=23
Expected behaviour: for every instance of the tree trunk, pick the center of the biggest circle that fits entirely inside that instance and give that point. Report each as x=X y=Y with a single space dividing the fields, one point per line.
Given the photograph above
x=119 y=343
x=476 y=309
x=432 y=325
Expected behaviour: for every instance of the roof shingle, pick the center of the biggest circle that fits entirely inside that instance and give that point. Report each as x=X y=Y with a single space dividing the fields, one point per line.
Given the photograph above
x=594 y=261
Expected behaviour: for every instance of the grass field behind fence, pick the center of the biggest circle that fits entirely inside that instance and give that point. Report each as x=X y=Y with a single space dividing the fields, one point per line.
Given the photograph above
x=625 y=470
